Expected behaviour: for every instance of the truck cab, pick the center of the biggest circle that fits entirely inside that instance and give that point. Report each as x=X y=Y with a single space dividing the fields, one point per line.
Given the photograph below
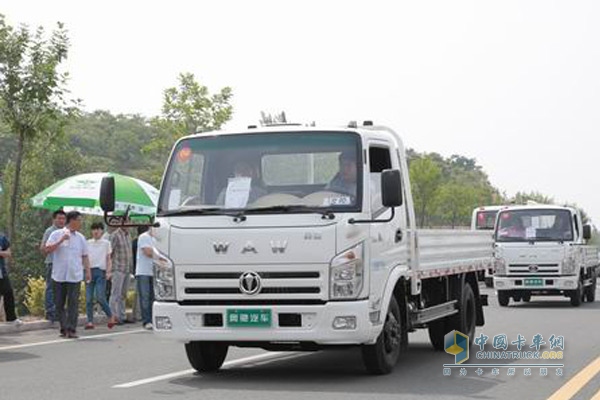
x=484 y=219
x=542 y=250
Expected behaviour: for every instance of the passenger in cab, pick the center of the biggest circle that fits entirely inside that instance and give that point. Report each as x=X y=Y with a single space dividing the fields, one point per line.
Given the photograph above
x=345 y=180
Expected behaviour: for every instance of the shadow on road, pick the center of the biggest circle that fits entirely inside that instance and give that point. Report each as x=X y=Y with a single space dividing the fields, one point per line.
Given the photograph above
x=16 y=356
x=343 y=372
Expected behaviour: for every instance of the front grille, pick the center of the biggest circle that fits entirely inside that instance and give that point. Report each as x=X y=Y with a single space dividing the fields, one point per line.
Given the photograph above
x=278 y=282
x=253 y=302
x=268 y=290
x=263 y=275
x=541 y=271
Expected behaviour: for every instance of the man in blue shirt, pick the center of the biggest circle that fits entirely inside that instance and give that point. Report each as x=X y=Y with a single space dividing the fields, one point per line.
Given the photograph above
x=6 y=291
x=145 y=273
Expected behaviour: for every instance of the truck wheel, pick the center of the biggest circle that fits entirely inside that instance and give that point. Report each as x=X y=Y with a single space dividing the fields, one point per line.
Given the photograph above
x=465 y=320
x=590 y=291
x=517 y=298
x=576 y=296
x=381 y=358
x=437 y=331
x=503 y=298
x=206 y=356
x=527 y=297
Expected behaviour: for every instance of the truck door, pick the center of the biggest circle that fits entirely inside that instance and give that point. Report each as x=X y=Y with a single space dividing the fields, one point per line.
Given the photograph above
x=388 y=247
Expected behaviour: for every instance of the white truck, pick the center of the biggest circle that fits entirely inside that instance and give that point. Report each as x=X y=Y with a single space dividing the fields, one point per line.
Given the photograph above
x=541 y=250
x=484 y=218
x=299 y=238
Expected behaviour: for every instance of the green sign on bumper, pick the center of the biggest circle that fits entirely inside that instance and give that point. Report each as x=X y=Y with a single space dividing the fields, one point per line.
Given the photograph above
x=258 y=318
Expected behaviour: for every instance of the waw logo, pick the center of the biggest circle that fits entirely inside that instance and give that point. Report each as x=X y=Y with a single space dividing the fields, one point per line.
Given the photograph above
x=457 y=344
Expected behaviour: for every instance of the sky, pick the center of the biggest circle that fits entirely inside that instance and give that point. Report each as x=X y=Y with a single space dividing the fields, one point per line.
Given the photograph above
x=514 y=84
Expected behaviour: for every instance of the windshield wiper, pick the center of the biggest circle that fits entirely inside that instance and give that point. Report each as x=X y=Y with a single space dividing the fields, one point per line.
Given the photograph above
x=238 y=216
x=325 y=213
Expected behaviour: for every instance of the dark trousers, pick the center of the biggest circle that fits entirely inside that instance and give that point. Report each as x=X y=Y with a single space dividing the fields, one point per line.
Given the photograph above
x=67 y=294
x=6 y=292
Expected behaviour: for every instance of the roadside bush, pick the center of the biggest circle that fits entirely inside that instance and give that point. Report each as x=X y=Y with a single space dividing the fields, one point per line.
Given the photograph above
x=130 y=299
x=35 y=295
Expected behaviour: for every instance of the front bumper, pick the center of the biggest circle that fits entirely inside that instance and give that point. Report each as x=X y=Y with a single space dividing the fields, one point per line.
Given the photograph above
x=553 y=283
x=187 y=324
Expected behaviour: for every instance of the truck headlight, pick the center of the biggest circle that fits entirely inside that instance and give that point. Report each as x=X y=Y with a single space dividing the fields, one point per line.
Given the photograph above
x=569 y=265
x=346 y=274
x=164 y=278
x=499 y=266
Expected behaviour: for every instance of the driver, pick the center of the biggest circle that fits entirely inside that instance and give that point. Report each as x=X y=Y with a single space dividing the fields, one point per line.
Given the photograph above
x=243 y=169
x=345 y=180
x=512 y=227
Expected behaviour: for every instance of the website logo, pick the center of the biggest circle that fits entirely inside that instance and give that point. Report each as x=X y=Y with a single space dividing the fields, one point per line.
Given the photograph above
x=457 y=344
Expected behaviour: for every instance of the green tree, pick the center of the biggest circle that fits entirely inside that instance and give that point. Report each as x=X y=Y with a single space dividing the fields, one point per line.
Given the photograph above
x=456 y=203
x=32 y=91
x=188 y=108
x=46 y=161
x=426 y=177
x=521 y=198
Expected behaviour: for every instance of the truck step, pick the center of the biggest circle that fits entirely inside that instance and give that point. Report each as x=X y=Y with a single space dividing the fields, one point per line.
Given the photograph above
x=422 y=317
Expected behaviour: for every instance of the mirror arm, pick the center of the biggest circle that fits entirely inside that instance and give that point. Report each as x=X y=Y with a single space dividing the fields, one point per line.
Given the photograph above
x=374 y=221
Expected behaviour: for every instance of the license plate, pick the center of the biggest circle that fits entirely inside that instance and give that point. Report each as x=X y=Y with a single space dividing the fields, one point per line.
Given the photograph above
x=534 y=282
x=258 y=318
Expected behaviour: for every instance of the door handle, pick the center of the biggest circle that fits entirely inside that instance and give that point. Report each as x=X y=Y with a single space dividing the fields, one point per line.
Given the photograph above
x=399 y=236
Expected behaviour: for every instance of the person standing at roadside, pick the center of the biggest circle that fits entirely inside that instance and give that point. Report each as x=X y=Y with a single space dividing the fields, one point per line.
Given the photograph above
x=145 y=274
x=70 y=257
x=120 y=241
x=59 y=218
x=101 y=267
x=6 y=291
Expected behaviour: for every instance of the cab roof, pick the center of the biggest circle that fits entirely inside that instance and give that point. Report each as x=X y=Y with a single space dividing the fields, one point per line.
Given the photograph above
x=540 y=207
x=370 y=131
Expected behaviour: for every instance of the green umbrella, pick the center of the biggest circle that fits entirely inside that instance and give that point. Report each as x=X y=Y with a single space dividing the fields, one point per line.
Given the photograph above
x=82 y=193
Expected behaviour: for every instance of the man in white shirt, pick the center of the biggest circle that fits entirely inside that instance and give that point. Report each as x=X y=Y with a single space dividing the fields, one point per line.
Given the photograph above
x=69 y=251
x=101 y=268
x=145 y=273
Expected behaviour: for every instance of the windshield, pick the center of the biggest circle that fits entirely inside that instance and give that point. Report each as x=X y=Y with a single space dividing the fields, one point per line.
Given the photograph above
x=486 y=220
x=534 y=225
x=264 y=170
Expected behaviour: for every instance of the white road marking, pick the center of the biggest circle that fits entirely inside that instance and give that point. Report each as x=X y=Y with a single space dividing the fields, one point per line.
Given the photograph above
x=255 y=360
x=36 y=344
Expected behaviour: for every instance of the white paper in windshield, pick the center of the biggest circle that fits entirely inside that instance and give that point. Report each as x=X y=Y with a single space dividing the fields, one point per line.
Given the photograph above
x=337 y=201
x=531 y=233
x=238 y=192
x=174 y=199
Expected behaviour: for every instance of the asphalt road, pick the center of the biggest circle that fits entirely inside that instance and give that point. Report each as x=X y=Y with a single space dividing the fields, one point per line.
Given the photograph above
x=133 y=364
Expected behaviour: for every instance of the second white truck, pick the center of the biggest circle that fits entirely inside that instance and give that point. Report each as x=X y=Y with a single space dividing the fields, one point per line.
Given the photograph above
x=541 y=250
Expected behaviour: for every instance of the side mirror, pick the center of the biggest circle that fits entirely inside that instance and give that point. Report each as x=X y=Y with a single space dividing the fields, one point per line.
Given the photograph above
x=107 y=194
x=391 y=188
x=587 y=232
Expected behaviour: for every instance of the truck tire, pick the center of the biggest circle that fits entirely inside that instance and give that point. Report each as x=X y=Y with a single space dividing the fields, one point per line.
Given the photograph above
x=437 y=331
x=465 y=320
x=206 y=356
x=577 y=296
x=381 y=358
x=503 y=298
x=590 y=291
x=526 y=297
